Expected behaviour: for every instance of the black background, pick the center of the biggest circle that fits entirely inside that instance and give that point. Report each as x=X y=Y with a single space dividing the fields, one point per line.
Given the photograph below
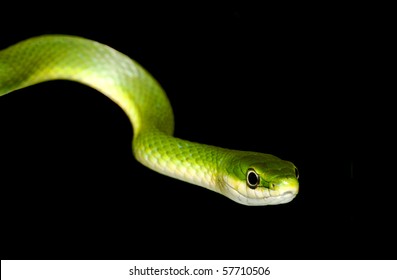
x=295 y=82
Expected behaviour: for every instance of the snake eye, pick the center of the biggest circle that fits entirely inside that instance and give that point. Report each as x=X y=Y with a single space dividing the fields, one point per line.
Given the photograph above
x=252 y=178
x=296 y=173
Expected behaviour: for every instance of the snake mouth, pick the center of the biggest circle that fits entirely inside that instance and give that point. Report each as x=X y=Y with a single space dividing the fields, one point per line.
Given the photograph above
x=287 y=193
x=287 y=197
x=269 y=199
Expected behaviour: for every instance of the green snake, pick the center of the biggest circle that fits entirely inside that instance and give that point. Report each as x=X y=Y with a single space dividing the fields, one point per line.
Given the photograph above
x=248 y=178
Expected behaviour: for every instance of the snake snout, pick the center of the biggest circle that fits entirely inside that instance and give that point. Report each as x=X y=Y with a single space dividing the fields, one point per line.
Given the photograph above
x=288 y=186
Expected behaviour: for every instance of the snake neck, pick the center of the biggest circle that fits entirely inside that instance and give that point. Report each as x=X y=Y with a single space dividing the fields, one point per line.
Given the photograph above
x=124 y=81
x=192 y=162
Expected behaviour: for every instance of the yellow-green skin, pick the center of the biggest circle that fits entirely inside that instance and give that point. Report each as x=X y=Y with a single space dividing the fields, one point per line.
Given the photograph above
x=52 y=57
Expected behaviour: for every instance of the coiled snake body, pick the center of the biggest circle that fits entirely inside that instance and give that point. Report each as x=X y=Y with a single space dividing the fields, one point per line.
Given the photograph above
x=248 y=178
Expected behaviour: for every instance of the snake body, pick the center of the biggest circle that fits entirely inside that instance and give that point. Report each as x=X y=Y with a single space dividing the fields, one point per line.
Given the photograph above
x=248 y=178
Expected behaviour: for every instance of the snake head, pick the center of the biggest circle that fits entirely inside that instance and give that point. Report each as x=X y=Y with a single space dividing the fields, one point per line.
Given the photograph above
x=259 y=179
